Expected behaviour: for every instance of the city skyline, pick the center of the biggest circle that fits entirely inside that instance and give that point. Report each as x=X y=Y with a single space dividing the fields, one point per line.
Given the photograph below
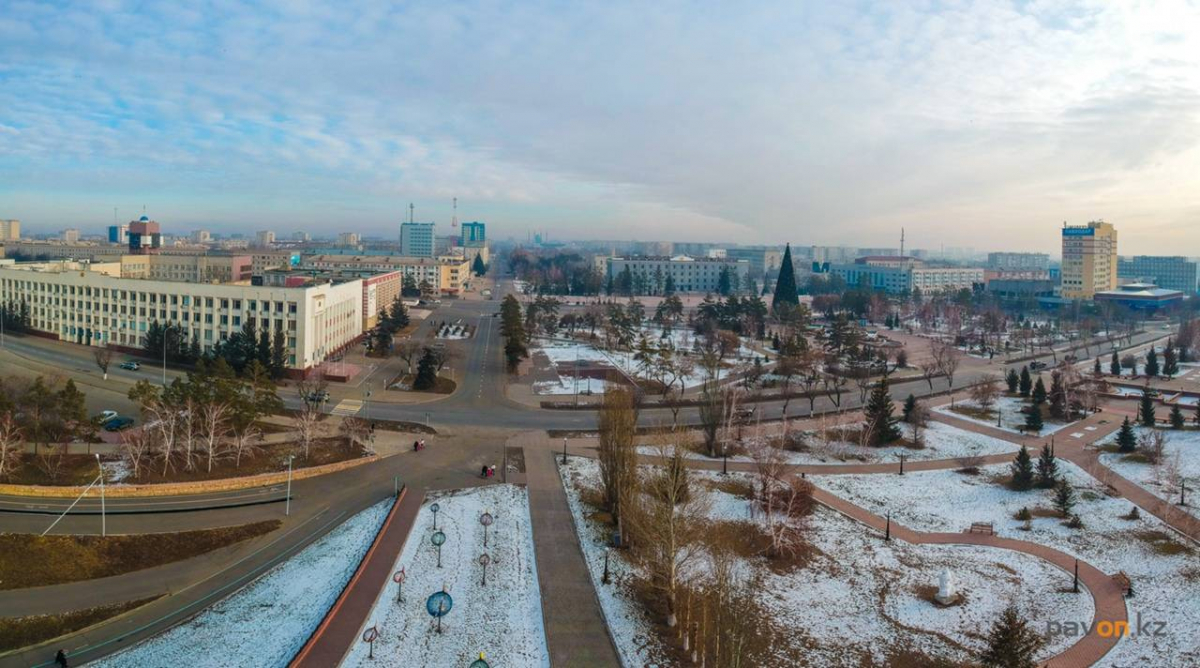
x=984 y=126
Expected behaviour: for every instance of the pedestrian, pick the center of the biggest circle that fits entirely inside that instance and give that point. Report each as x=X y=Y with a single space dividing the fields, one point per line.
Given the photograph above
x=483 y=472
x=422 y=444
x=60 y=659
x=416 y=445
x=492 y=471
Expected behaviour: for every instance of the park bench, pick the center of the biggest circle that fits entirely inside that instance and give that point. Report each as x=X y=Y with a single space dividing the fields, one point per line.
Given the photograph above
x=982 y=527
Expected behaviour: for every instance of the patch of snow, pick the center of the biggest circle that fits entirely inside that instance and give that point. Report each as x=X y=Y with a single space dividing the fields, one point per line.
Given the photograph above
x=1181 y=464
x=1012 y=416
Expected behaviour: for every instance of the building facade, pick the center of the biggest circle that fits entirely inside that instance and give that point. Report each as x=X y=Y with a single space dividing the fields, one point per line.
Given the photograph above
x=474 y=234
x=10 y=229
x=1018 y=261
x=764 y=260
x=69 y=301
x=1168 y=272
x=417 y=239
x=901 y=275
x=264 y=238
x=688 y=274
x=1089 y=262
x=118 y=234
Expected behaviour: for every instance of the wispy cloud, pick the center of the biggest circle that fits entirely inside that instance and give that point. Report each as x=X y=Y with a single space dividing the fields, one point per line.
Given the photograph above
x=809 y=122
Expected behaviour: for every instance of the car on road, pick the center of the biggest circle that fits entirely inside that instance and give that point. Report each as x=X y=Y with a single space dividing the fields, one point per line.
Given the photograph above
x=130 y=366
x=317 y=397
x=1037 y=366
x=104 y=416
x=118 y=424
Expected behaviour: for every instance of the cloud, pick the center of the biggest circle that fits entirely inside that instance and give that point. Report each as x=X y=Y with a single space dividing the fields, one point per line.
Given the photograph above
x=969 y=123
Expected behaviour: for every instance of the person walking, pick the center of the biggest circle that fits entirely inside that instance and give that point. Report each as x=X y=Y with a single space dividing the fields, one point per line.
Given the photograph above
x=60 y=659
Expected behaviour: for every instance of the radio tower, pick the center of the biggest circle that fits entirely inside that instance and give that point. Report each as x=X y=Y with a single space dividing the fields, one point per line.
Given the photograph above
x=901 y=242
x=454 y=220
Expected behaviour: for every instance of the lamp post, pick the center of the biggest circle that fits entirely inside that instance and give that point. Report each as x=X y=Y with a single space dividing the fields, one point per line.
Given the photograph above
x=1182 y=490
x=434 y=509
x=486 y=520
x=887 y=531
x=370 y=636
x=287 y=502
x=484 y=560
x=103 y=517
x=398 y=577
x=1075 y=586
x=438 y=605
x=438 y=539
x=605 y=578
x=479 y=663
x=902 y=457
x=564 y=451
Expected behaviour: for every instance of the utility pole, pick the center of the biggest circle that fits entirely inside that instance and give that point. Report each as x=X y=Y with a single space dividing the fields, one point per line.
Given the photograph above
x=103 y=515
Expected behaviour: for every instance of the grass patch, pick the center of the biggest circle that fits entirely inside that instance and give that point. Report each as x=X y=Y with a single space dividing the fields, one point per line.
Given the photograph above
x=1162 y=542
x=27 y=560
x=271 y=458
x=67 y=470
x=736 y=486
x=974 y=412
x=18 y=632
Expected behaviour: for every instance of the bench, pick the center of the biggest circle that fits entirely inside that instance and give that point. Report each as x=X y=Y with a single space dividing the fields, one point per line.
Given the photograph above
x=982 y=527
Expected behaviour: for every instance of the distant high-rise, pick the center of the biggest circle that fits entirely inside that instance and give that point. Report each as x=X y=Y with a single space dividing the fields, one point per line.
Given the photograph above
x=474 y=234
x=144 y=236
x=348 y=238
x=70 y=236
x=301 y=236
x=1018 y=261
x=118 y=234
x=416 y=239
x=201 y=236
x=264 y=238
x=10 y=230
x=1089 y=262
x=1170 y=272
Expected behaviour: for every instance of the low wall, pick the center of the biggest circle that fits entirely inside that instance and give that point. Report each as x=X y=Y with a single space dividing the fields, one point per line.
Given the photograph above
x=186 y=488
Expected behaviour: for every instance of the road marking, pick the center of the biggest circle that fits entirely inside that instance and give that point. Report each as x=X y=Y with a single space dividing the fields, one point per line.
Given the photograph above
x=347 y=407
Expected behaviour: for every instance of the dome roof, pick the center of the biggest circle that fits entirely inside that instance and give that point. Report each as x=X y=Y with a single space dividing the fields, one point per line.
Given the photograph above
x=144 y=219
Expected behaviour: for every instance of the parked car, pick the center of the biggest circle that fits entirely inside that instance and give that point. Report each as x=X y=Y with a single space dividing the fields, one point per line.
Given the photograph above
x=320 y=396
x=118 y=424
x=1037 y=366
x=104 y=416
x=130 y=366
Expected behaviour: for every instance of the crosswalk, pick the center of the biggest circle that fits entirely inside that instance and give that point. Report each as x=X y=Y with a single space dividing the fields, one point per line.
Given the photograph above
x=347 y=407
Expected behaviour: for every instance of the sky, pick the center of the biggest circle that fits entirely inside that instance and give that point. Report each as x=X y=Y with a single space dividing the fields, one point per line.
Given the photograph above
x=969 y=124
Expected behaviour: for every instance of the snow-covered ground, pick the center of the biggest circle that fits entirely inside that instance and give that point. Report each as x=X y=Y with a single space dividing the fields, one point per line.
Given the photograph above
x=942 y=441
x=1161 y=565
x=857 y=596
x=1012 y=417
x=1181 y=464
x=502 y=619
x=266 y=622
x=569 y=385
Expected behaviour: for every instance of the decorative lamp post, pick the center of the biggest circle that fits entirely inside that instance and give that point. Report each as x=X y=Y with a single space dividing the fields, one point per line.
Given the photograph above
x=486 y=520
x=887 y=535
x=438 y=538
x=438 y=605
x=287 y=501
x=605 y=578
x=434 y=509
x=103 y=514
x=1075 y=586
x=999 y=413
x=398 y=577
x=484 y=560
x=564 y=451
x=902 y=457
x=370 y=636
x=479 y=663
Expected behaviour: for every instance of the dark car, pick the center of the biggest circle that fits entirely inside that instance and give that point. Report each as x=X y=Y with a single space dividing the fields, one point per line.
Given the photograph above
x=118 y=424
x=1037 y=366
x=130 y=366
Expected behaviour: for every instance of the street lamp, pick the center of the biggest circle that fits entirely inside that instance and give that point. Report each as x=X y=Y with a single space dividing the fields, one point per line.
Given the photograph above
x=479 y=663
x=564 y=451
x=434 y=509
x=287 y=501
x=370 y=636
x=438 y=538
x=398 y=577
x=103 y=518
x=486 y=520
x=484 y=560
x=605 y=578
x=438 y=605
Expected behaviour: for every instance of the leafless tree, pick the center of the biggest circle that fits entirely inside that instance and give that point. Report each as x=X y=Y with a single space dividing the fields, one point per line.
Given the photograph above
x=985 y=394
x=947 y=358
x=245 y=442
x=354 y=430
x=308 y=416
x=214 y=425
x=12 y=446
x=103 y=357
x=137 y=445
x=617 y=425
x=408 y=350
x=1153 y=445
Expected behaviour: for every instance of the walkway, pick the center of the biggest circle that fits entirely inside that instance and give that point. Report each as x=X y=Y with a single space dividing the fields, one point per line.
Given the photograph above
x=576 y=632
x=339 y=631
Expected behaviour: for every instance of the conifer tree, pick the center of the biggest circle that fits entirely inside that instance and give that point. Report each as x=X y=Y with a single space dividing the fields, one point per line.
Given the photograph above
x=1126 y=440
x=1146 y=408
x=1012 y=380
x=1151 y=363
x=1026 y=382
x=1170 y=361
x=1114 y=366
x=1097 y=368
x=1039 y=392
x=880 y=421
x=1058 y=397
x=426 y=371
x=1064 y=497
x=1022 y=470
x=785 y=285
x=1047 y=468
x=1033 y=419
x=1177 y=418
x=1011 y=643
x=910 y=406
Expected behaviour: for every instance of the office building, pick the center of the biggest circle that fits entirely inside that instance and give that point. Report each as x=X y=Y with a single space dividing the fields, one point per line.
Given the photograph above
x=264 y=238
x=87 y=304
x=764 y=260
x=474 y=235
x=70 y=236
x=689 y=274
x=201 y=236
x=347 y=239
x=301 y=237
x=145 y=237
x=10 y=230
x=1089 y=263
x=1140 y=296
x=1168 y=272
x=1018 y=261
x=897 y=274
x=118 y=234
x=447 y=274
x=417 y=239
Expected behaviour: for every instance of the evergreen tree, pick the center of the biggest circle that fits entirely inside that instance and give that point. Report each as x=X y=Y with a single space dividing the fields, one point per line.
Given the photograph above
x=426 y=371
x=1022 y=470
x=397 y=316
x=1047 y=468
x=1033 y=419
x=1114 y=366
x=1170 y=361
x=1011 y=643
x=279 y=358
x=669 y=286
x=880 y=421
x=1152 y=363
x=1058 y=397
x=1146 y=410
x=910 y=406
x=1177 y=418
x=1064 y=497
x=1126 y=440
x=785 y=285
x=477 y=266
x=1039 y=392
x=1012 y=380
x=1026 y=382
x=1097 y=368
x=724 y=284
x=263 y=350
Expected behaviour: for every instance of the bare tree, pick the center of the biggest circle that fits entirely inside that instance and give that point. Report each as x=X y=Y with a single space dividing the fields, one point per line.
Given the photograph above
x=354 y=430
x=245 y=442
x=985 y=394
x=136 y=447
x=103 y=357
x=408 y=350
x=1153 y=445
x=312 y=395
x=214 y=425
x=12 y=446
x=617 y=424
x=946 y=357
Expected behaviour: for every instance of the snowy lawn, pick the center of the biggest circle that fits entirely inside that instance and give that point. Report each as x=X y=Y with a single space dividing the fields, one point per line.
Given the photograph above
x=266 y=622
x=1161 y=565
x=569 y=385
x=1012 y=417
x=856 y=596
x=502 y=619
x=1181 y=464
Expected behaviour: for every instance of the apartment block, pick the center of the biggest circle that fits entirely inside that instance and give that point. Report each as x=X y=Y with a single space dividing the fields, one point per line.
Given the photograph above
x=1167 y=272
x=10 y=229
x=1089 y=262
x=689 y=274
x=417 y=239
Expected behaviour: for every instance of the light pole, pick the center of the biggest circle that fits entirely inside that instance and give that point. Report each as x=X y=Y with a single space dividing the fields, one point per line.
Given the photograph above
x=438 y=539
x=287 y=503
x=486 y=520
x=564 y=451
x=605 y=578
x=164 y=345
x=103 y=518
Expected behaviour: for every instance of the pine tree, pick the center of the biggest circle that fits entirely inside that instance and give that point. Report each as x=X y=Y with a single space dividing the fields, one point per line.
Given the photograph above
x=669 y=286
x=1114 y=366
x=1126 y=440
x=1012 y=380
x=426 y=371
x=785 y=285
x=1064 y=497
x=1170 y=361
x=1058 y=397
x=1177 y=418
x=1097 y=368
x=1033 y=419
x=1011 y=643
x=477 y=267
x=1022 y=470
x=1147 y=408
x=1047 y=468
x=1026 y=382
x=910 y=407
x=880 y=421
x=1039 y=392
x=1151 y=363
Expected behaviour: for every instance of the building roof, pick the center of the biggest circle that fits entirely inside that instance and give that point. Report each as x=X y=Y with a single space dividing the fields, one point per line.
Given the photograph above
x=1140 y=291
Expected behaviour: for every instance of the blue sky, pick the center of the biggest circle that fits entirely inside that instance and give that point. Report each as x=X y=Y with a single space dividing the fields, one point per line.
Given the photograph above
x=980 y=124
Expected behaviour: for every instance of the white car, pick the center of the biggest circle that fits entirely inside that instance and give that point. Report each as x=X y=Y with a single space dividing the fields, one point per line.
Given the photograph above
x=105 y=416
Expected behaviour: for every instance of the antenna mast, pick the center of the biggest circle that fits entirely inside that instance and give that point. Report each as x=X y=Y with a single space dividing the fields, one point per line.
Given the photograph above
x=901 y=242
x=454 y=220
